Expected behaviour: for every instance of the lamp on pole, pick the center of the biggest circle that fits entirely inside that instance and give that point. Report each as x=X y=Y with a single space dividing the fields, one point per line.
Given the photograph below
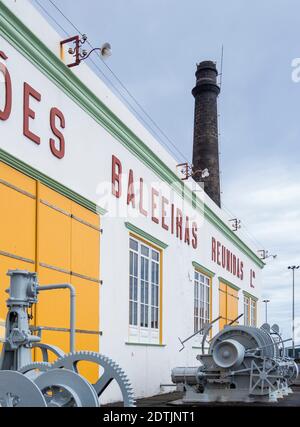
x=266 y=302
x=293 y=268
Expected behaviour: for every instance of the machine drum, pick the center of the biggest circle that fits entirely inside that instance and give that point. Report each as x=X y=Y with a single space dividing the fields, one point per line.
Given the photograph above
x=228 y=354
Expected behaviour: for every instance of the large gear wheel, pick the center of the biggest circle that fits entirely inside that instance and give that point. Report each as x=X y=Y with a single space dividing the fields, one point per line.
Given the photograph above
x=65 y=388
x=34 y=369
x=16 y=390
x=112 y=372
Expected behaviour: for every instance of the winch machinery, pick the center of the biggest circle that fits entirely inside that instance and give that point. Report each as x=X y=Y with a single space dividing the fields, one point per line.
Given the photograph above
x=242 y=364
x=24 y=383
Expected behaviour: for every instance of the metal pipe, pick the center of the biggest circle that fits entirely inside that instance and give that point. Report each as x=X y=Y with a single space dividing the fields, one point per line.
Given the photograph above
x=72 y=307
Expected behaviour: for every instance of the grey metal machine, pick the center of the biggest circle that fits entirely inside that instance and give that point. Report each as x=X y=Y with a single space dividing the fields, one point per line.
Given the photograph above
x=24 y=383
x=242 y=364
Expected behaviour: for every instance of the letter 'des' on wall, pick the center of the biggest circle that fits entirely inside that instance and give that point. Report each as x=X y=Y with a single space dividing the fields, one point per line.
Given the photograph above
x=31 y=99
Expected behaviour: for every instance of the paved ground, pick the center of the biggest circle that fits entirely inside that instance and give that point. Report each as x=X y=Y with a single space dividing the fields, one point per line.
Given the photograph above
x=163 y=400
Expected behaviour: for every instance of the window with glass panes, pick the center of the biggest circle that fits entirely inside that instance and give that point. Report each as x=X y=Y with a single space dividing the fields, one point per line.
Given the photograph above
x=201 y=300
x=246 y=311
x=144 y=286
x=250 y=306
x=253 y=312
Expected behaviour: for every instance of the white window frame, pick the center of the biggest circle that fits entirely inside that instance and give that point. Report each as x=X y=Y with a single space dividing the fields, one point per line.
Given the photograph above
x=253 y=312
x=246 y=310
x=144 y=292
x=250 y=311
x=202 y=302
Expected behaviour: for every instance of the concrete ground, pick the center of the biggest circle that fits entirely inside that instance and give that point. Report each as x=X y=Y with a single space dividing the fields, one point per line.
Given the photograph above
x=163 y=400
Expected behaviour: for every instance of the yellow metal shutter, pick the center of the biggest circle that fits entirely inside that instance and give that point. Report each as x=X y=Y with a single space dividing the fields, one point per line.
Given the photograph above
x=17 y=229
x=43 y=231
x=228 y=304
x=222 y=305
x=232 y=304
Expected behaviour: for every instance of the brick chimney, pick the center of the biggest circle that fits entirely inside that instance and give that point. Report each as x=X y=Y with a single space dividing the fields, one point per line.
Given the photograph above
x=206 y=146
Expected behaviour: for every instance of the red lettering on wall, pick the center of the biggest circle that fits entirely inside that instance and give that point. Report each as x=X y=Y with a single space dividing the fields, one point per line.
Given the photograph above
x=234 y=265
x=195 y=235
x=223 y=256
x=213 y=249
x=28 y=113
x=142 y=210
x=172 y=218
x=179 y=224
x=187 y=231
x=5 y=113
x=218 y=253
x=242 y=270
x=57 y=152
x=130 y=190
x=116 y=177
x=164 y=203
x=155 y=194
x=228 y=268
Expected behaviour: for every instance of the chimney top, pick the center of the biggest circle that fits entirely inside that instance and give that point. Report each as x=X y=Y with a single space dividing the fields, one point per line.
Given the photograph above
x=206 y=75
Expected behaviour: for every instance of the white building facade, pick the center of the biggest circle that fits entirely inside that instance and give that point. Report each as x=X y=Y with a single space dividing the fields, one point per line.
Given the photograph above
x=89 y=196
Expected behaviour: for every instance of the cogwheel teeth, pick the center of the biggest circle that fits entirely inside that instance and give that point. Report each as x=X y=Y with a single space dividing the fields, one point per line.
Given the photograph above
x=112 y=372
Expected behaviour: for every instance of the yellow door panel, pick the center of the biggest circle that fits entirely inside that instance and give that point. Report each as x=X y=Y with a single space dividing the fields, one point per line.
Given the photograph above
x=53 y=309
x=44 y=232
x=87 y=307
x=222 y=306
x=232 y=304
x=54 y=238
x=55 y=199
x=228 y=304
x=85 y=250
x=17 y=179
x=54 y=306
x=85 y=215
x=17 y=223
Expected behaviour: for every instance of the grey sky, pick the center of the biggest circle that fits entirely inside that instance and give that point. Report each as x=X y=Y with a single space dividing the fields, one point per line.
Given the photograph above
x=156 y=44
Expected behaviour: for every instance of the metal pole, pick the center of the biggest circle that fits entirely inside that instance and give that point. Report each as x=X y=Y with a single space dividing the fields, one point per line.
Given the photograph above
x=72 y=308
x=266 y=308
x=293 y=268
x=293 y=313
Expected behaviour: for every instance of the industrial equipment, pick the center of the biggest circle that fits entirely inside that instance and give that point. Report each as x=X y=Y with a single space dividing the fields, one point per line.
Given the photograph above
x=241 y=364
x=24 y=383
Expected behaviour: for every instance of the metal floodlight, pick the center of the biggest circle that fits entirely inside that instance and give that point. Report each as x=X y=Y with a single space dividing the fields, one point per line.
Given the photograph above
x=106 y=51
x=80 y=54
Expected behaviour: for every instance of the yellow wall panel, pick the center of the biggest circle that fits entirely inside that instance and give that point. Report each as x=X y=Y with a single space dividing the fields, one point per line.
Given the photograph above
x=17 y=223
x=222 y=305
x=55 y=198
x=85 y=249
x=54 y=238
x=17 y=178
x=87 y=307
x=228 y=304
x=85 y=215
x=232 y=303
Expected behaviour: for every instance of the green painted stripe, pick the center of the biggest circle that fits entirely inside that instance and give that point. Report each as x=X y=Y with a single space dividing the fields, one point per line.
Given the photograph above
x=203 y=269
x=145 y=235
x=13 y=30
x=49 y=182
x=250 y=296
x=226 y=282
